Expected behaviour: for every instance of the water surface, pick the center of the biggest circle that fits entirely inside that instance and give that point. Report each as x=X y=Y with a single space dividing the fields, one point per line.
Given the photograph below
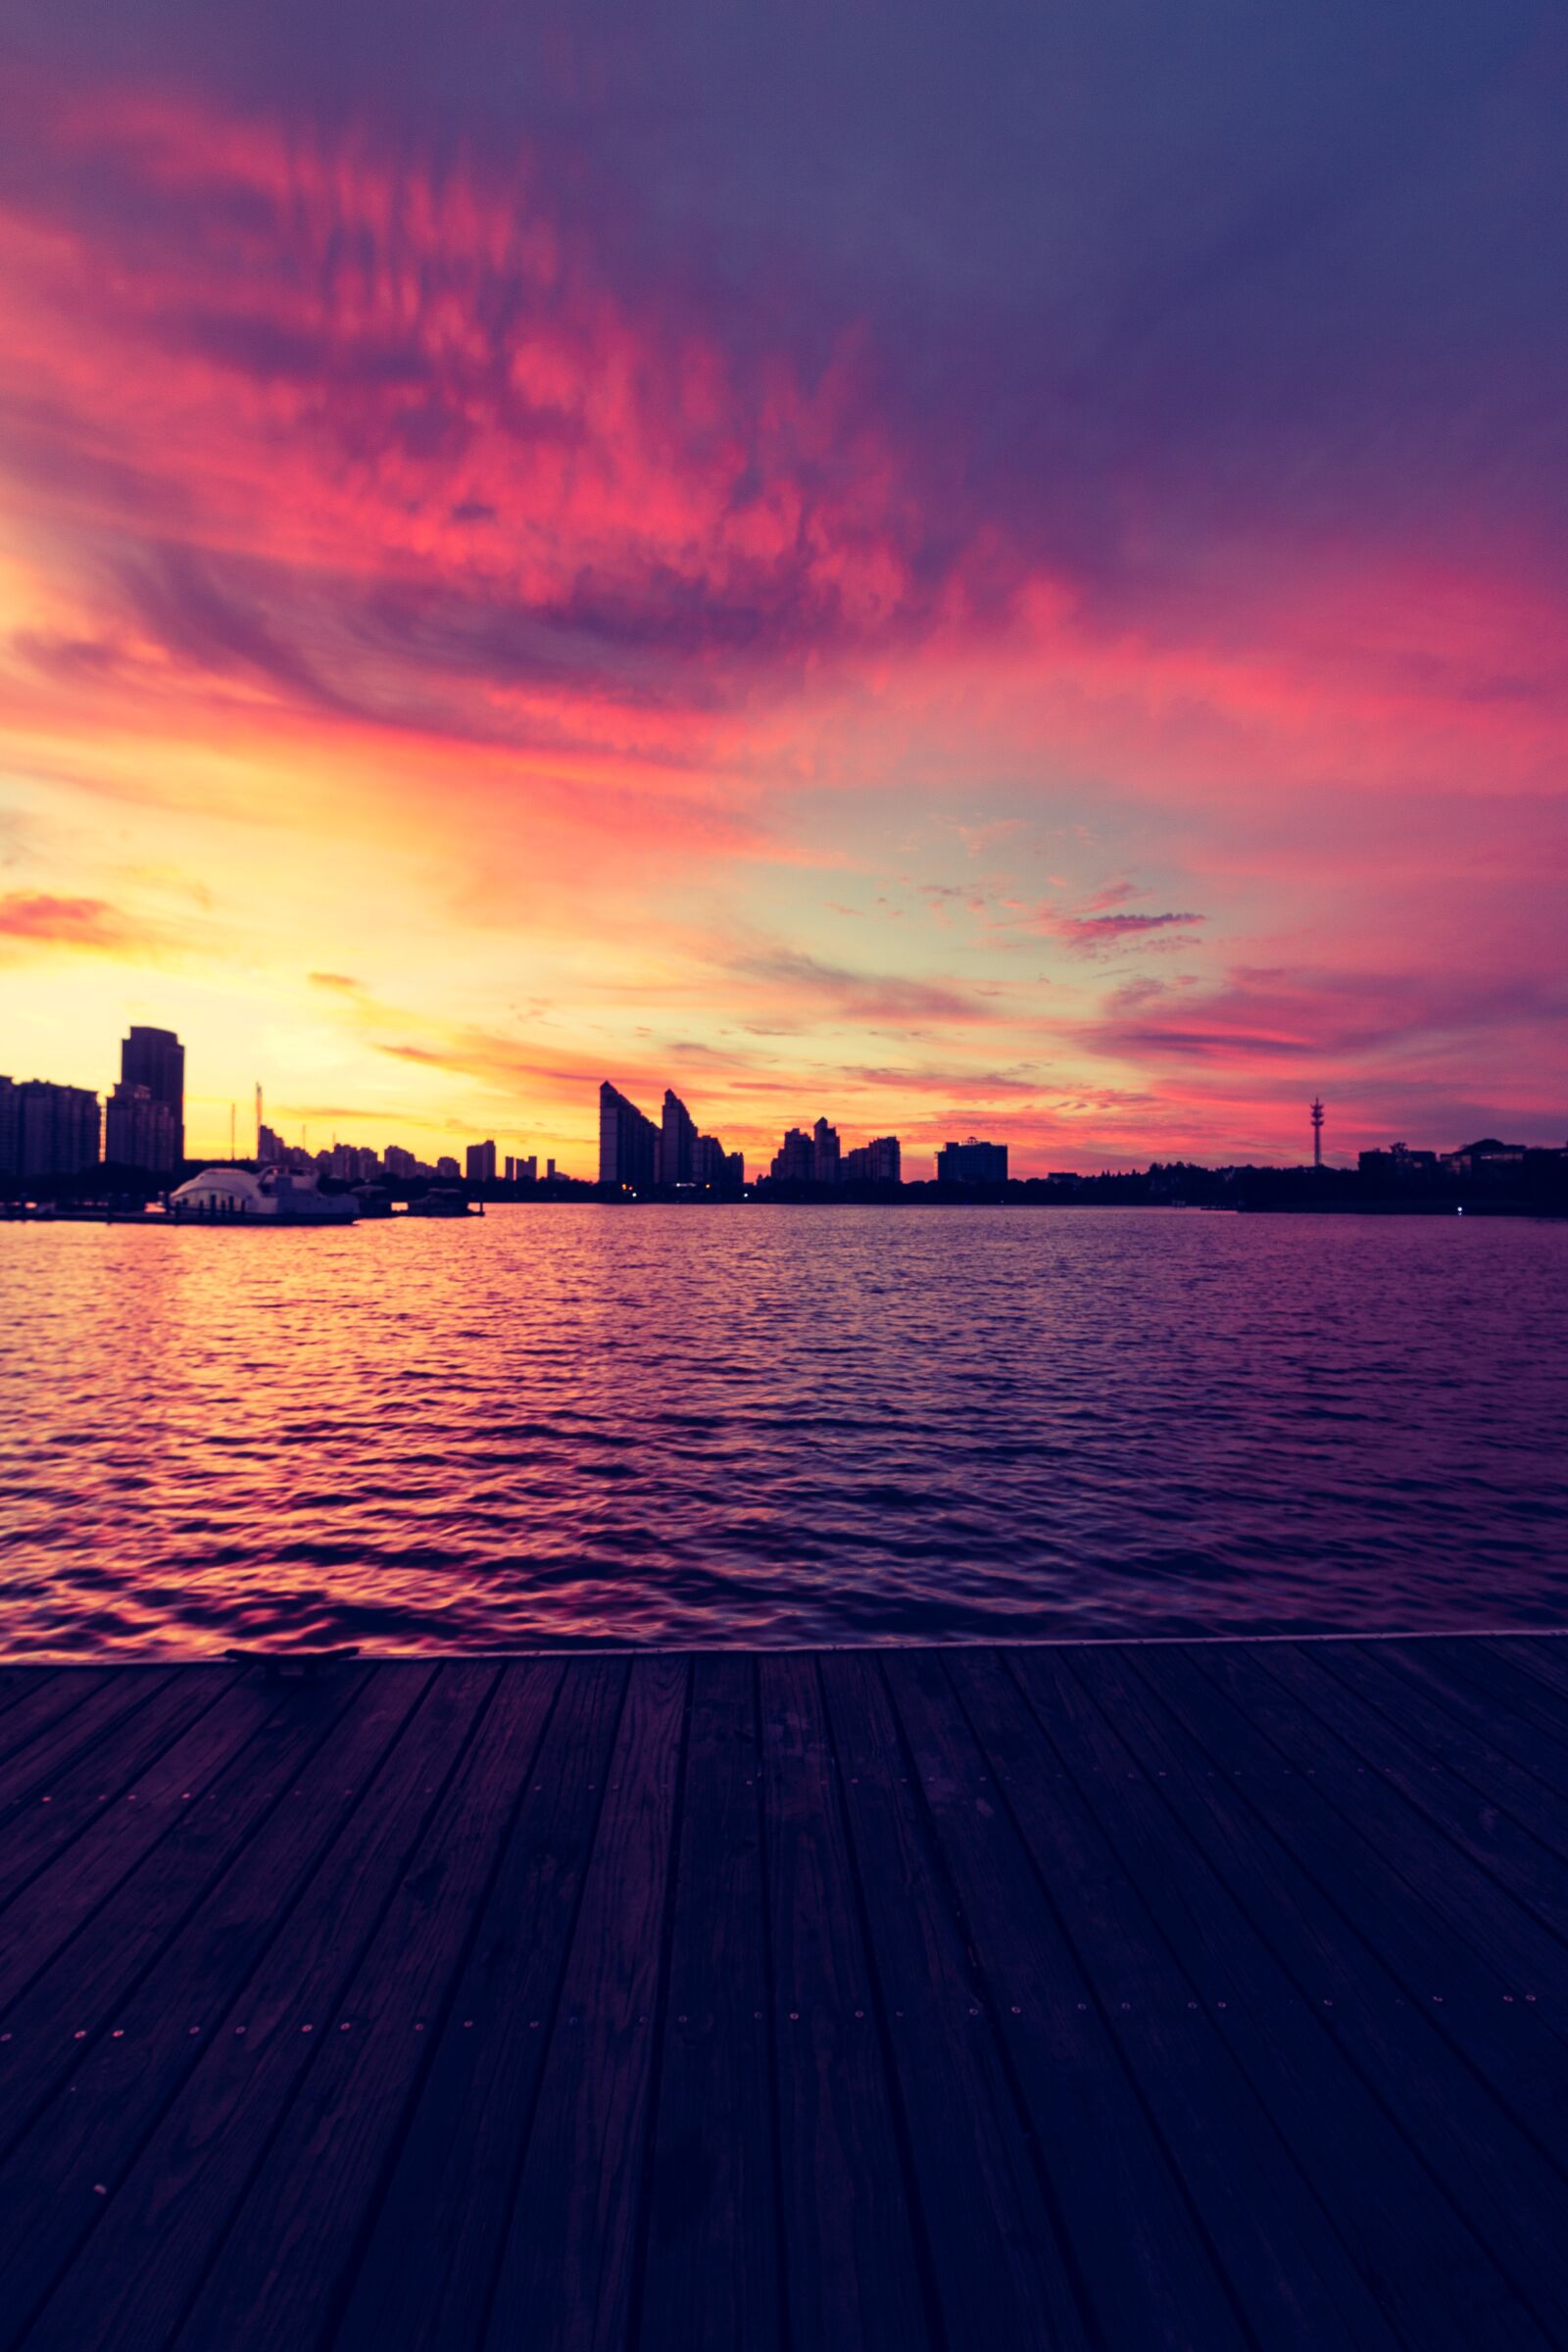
x=778 y=1425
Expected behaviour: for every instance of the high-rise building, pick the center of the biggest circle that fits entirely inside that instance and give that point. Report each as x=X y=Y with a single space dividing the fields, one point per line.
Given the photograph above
x=886 y=1158
x=677 y=1143
x=138 y=1131
x=269 y=1146
x=57 y=1129
x=627 y=1141
x=480 y=1163
x=876 y=1162
x=792 y=1161
x=447 y=1167
x=10 y=1129
x=825 y=1168
x=155 y=1059
x=973 y=1162
x=400 y=1162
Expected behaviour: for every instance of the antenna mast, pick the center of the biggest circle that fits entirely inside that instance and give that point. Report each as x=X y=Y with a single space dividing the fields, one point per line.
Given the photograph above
x=1317 y=1131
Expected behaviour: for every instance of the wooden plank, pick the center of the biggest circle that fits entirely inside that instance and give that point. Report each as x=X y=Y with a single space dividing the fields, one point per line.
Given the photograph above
x=1465 y=1733
x=117 y=1837
x=1465 y=1860
x=121 y=1771
x=854 y=2280
x=1001 y=2272
x=1402 y=2041
x=287 y=2251
x=63 y=1727
x=566 y=2276
x=1497 y=1699
x=436 y=2241
x=1133 y=1768
x=34 y=1704
x=102 y=1957
x=164 y=2219
x=1286 y=2268
x=17 y=1680
x=63 y=2178
x=1145 y=2267
x=712 y=2267
x=1545 y=1656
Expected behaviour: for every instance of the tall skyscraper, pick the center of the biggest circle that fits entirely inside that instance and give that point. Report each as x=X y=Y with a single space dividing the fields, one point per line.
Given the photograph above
x=824 y=1154
x=57 y=1129
x=627 y=1140
x=139 y=1130
x=677 y=1143
x=155 y=1059
x=793 y=1161
x=481 y=1163
x=10 y=1129
x=876 y=1162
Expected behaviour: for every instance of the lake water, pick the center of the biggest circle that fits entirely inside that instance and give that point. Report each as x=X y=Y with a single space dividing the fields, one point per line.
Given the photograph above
x=778 y=1425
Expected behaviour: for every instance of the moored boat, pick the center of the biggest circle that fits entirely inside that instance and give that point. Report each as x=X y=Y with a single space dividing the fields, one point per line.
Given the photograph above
x=271 y=1196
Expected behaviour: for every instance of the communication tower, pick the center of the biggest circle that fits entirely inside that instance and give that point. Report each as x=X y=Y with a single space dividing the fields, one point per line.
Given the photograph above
x=1317 y=1131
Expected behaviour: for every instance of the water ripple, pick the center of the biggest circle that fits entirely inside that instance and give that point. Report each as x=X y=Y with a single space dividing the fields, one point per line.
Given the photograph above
x=590 y=1425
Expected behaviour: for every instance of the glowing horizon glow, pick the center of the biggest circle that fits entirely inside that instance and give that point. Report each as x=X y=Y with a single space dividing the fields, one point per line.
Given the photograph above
x=538 y=558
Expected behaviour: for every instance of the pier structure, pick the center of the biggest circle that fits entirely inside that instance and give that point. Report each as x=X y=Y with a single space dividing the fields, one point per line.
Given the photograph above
x=1127 y=1995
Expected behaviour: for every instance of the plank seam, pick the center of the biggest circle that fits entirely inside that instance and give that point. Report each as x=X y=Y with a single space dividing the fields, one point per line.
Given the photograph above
x=904 y=2141
x=181 y=2078
x=205 y=2269
x=1077 y=2283
x=1417 y=2007
x=666 y=1947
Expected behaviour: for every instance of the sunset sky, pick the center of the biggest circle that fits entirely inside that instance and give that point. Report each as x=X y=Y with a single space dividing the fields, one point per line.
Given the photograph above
x=994 y=567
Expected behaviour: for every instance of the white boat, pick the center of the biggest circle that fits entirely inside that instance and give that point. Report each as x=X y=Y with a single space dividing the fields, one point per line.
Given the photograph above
x=273 y=1196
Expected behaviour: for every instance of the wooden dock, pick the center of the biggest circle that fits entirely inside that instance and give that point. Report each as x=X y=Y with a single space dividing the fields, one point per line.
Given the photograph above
x=1202 y=1995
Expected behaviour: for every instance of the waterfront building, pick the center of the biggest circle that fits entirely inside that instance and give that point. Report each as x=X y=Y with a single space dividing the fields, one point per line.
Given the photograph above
x=1398 y=1162
x=677 y=1143
x=155 y=1059
x=138 y=1131
x=269 y=1146
x=876 y=1162
x=792 y=1162
x=400 y=1162
x=57 y=1129
x=973 y=1162
x=825 y=1155
x=628 y=1141
x=480 y=1163
x=447 y=1167
x=10 y=1129
x=709 y=1166
x=1487 y=1157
